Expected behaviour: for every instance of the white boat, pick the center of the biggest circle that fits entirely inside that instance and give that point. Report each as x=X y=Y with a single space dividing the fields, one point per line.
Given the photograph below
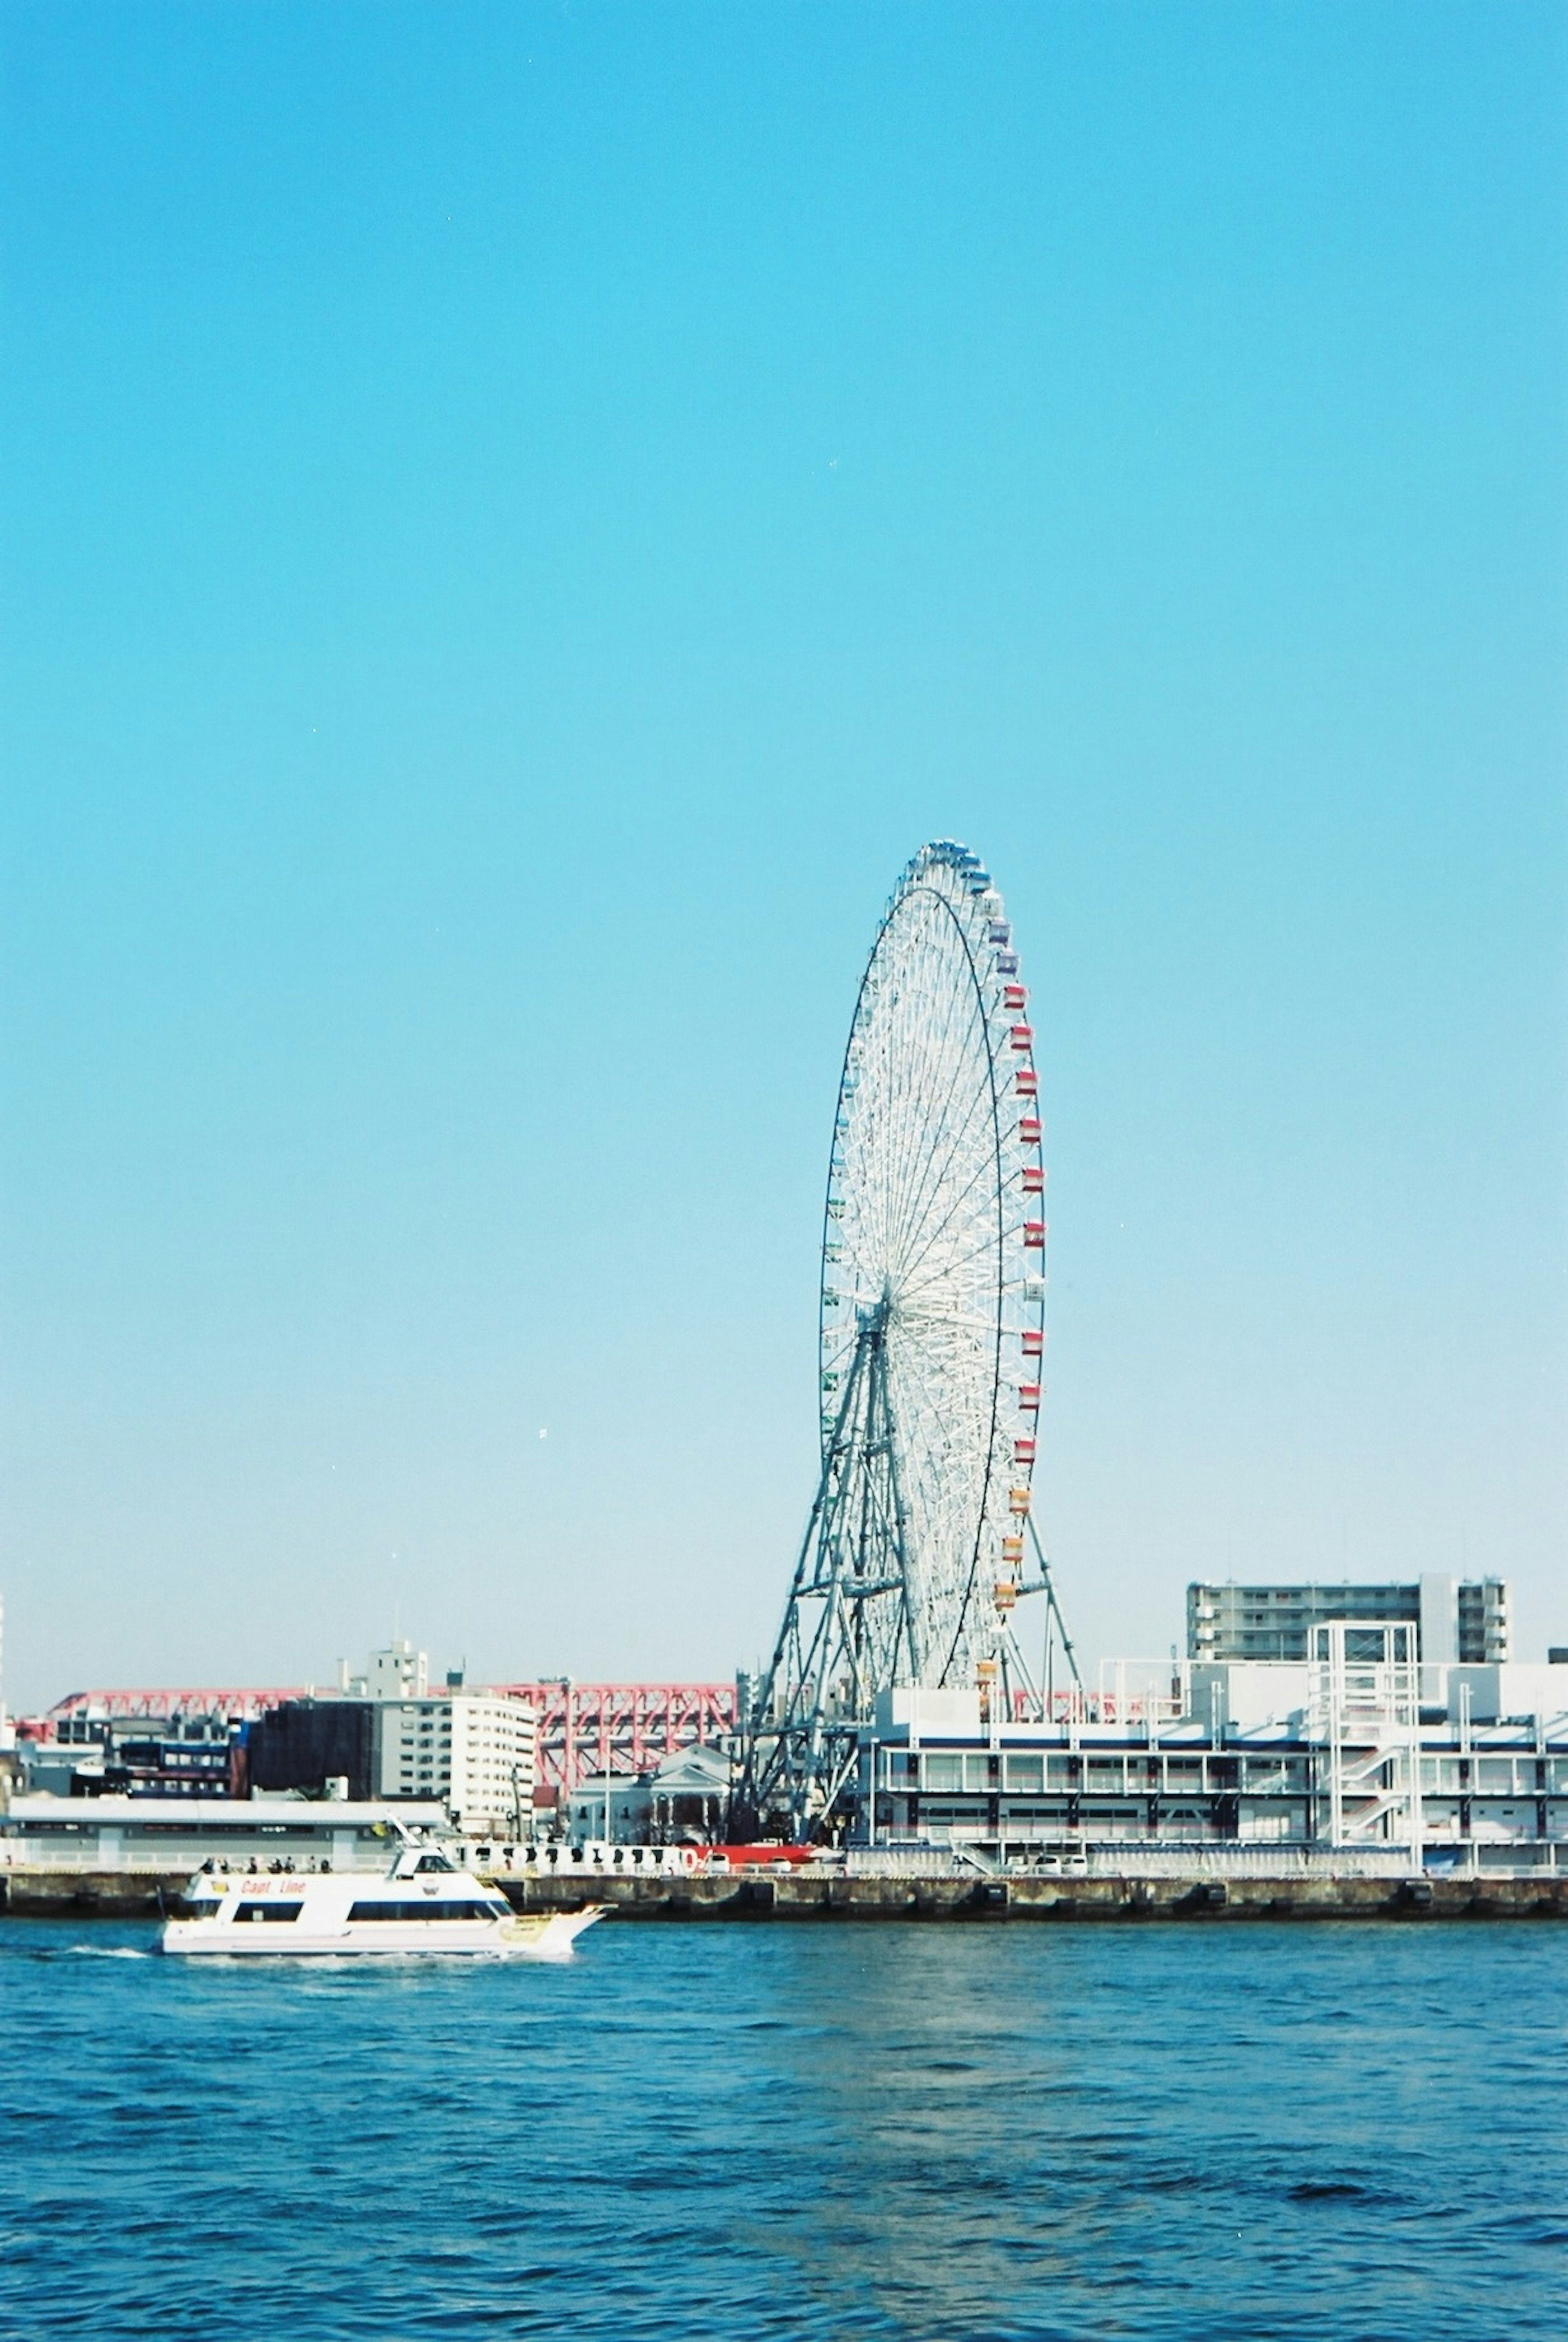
x=423 y=1904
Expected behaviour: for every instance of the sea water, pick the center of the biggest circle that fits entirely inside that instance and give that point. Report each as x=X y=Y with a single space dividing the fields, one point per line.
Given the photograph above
x=1204 y=2130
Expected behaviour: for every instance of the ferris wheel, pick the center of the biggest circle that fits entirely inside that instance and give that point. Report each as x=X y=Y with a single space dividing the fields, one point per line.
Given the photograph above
x=935 y=1232
x=933 y=1335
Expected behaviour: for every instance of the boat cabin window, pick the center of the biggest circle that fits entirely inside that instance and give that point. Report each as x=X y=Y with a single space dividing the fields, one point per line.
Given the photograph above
x=269 y=1911
x=403 y=1912
x=432 y=1862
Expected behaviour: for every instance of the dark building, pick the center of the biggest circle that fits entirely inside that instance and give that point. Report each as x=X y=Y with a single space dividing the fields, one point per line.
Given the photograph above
x=165 y=1766
x=306 y=1743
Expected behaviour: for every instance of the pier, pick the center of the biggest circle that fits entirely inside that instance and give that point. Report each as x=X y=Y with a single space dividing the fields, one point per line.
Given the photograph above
x=824 y=1893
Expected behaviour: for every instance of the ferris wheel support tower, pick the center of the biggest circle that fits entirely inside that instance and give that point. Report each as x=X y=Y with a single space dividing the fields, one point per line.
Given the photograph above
x=933 y=1336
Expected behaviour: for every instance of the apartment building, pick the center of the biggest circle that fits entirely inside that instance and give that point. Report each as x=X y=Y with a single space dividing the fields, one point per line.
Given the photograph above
x=1459 y=1621
x=473 y=1751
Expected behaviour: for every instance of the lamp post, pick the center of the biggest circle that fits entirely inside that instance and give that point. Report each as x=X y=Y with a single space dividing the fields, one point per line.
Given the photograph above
x=568 y=1746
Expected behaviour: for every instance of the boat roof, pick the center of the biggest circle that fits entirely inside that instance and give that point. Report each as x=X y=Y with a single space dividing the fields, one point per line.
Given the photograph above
x=198 y=1813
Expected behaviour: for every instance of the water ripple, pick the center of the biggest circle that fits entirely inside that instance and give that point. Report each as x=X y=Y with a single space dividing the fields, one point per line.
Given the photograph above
x=846 y=2135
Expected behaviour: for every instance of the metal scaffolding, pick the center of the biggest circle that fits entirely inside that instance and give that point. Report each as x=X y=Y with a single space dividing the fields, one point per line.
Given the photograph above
x=1364 y=1710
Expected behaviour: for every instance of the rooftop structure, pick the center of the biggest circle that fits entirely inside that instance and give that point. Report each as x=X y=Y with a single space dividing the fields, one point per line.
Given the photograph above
x=399 y=1672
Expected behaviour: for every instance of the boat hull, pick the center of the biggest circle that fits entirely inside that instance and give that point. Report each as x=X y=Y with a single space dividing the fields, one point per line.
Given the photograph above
x=545 y=1937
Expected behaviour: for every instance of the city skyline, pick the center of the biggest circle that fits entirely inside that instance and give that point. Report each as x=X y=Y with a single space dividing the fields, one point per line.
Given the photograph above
x=516 y=531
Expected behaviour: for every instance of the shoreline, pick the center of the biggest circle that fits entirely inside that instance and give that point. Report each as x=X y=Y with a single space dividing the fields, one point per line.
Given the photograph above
x=958 y=1899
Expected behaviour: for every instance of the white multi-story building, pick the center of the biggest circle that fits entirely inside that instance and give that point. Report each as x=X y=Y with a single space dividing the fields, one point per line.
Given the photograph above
x=1341 y=1754
x=1458 y=1620
x=471 y=1750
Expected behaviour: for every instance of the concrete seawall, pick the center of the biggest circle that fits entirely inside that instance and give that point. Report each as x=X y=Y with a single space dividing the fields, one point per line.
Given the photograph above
x=829 y=1897
x=965 y=1897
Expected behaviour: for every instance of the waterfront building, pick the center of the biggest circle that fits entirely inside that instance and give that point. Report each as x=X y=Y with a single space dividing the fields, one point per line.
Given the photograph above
x=159 y=1742
x=615 y=1807
x=1456 y=1619
x=388 y=1738
x=1337 y=1758
x=685 y=1798
x=115 y=1834
x=689 y=1796
x=381 y=1739
x=167 y=1756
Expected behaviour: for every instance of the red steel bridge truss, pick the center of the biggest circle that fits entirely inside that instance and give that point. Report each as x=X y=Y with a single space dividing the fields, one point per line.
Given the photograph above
x=160 y=1705
x=584 y=1727
x=620 y=1727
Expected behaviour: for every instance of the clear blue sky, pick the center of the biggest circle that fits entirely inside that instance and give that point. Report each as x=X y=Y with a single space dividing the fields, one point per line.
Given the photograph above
x=517 y=521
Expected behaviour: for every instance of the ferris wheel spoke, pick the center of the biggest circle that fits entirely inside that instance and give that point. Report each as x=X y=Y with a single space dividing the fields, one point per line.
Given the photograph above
x=960 y=1133
x=979 y=1206
x=943 y=1126
x=983 y=1249
x=933 y=1064
x=947 y=1145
